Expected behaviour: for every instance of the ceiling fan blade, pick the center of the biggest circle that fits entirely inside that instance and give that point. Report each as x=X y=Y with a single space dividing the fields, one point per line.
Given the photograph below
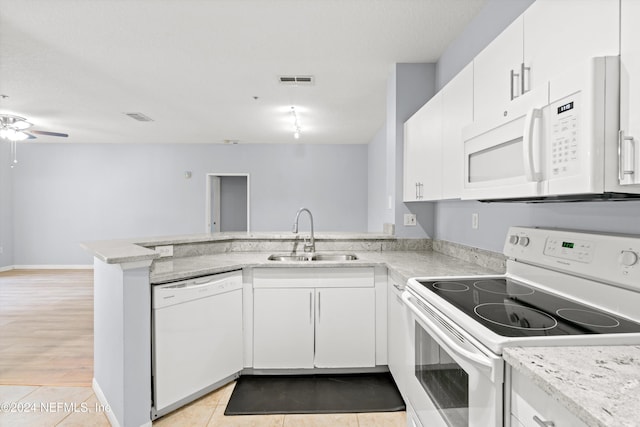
x=30 y=136
x=44 y=132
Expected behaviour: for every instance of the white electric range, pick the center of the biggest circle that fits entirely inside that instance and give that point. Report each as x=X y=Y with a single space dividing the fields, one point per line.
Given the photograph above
x=561 y=287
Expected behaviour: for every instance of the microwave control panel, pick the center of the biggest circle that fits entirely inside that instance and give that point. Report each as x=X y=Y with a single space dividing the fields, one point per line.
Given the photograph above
x=564 y=152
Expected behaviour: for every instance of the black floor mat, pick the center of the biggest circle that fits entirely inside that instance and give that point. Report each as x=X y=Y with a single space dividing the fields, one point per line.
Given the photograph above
x=314 y=394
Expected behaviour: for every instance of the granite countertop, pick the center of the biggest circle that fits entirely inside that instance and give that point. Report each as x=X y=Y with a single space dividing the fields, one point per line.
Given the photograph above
x=138 y=249
x=402 y=265
x=598 y=384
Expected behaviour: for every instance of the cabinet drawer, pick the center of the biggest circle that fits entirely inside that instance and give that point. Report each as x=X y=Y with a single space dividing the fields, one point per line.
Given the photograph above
x=313 y=277
x=529 y=401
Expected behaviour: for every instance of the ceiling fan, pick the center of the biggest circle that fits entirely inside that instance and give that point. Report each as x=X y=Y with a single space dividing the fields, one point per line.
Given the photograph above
x=16 y=128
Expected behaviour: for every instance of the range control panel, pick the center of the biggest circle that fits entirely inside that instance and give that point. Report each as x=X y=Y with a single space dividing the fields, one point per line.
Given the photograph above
x=570 y=249
x=612 y=258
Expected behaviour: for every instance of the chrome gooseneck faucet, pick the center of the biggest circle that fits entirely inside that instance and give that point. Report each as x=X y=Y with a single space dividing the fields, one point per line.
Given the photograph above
x=311 y=246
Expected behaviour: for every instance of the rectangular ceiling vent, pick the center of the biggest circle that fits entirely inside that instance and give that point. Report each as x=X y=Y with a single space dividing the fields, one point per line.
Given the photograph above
x=297 y=80
x=139 y=117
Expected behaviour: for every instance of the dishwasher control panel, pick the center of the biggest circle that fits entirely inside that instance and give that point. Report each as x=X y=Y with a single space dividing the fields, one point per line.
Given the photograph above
x=186 y=290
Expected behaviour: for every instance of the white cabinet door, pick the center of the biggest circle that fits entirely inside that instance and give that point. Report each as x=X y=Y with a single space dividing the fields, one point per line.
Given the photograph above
x=494 y=86
x=283 y=328
x=414 y=153
x=397 y=337
x=561 y=34
x=630 y=89
x=423 y=153
x=345 y=328
x=457 y=112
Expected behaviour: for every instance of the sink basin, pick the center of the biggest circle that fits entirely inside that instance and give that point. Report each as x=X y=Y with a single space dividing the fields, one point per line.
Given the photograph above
x=315 y=257
x=334 y=257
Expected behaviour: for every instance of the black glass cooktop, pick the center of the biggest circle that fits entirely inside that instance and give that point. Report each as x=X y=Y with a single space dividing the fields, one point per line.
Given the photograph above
x=513 y=309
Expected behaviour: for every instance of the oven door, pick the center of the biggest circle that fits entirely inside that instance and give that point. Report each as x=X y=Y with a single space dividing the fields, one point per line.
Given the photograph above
x=455 y=382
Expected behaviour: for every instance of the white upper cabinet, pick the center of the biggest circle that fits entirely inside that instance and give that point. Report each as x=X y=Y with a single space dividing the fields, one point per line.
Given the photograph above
x=558 y=34
x=550 y=37
x=423 y=153
x=630 y=92
x=457 y=112
x=496 y=71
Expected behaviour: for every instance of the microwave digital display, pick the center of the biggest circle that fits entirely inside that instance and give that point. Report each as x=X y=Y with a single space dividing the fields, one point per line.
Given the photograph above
x=567 y=245
x=565 y=107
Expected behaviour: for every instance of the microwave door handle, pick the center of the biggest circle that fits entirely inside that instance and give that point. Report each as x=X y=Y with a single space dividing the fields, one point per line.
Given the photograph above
x=531 y=174
x=622 y=172
x=477 y=360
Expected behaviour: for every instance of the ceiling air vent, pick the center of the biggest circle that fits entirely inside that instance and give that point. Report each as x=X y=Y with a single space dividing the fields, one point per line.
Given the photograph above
x=139 y=117
x=297 y=80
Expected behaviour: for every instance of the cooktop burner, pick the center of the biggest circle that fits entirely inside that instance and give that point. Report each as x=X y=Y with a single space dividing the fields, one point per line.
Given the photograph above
x=515 y=316
x=451 y=286
x=513 y=309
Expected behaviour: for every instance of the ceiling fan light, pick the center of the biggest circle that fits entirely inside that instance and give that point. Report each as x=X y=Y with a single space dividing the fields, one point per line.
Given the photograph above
x=19 y=136
x=21 y=125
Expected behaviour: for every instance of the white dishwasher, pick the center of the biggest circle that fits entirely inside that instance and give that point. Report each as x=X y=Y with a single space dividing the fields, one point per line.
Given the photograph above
x=197 y=338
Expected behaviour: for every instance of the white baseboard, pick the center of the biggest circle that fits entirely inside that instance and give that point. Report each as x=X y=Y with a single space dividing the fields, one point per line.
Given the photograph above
x=52 y=267
x=103 y=401
x=7 y=268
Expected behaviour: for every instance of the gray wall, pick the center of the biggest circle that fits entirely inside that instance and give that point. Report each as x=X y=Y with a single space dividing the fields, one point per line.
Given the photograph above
x=67 y=193
x=410 y=87
x=377 y=204
x=453 y=218
x=6 y=211
x=233 y=203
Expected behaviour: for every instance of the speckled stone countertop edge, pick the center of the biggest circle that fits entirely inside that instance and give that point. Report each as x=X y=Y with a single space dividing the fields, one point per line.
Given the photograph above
x=119 y=251
x=598 y=384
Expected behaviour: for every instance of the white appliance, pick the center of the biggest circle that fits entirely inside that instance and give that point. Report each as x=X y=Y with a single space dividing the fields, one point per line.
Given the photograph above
x=559 y=141
x=561 y=287
x=197 y=338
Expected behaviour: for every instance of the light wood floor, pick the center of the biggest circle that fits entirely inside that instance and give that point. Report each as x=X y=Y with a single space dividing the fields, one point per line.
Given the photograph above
x=46 y=356
x=46 y=327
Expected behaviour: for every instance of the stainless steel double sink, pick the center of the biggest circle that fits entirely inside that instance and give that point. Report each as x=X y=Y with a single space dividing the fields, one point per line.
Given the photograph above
x=312 y=257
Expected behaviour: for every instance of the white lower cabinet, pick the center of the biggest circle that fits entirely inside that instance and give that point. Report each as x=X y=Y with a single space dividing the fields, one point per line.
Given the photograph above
x=397 y=335
x=313 y=318
x=533 y=407
x=283 y=328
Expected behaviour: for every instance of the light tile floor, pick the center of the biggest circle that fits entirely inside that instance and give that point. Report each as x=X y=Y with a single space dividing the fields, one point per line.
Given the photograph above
x=77 y=406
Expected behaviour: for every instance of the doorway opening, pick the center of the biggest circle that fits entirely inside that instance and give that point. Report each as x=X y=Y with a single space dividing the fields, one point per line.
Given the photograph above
x=227 y=202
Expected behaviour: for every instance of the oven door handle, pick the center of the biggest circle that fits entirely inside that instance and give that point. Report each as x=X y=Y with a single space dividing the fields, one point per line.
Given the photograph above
x=484 y=363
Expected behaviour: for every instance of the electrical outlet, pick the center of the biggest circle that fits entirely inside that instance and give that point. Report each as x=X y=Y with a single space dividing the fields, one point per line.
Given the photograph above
x=410 y=219
x=474 y=221
x=164 y=251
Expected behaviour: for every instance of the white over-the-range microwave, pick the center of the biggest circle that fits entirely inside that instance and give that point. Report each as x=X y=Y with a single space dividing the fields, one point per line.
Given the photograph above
x=560 y=141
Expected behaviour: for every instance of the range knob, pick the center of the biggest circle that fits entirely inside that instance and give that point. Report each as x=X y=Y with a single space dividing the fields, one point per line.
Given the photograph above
x=513 y=239
x=628 y=258
x=524 y=241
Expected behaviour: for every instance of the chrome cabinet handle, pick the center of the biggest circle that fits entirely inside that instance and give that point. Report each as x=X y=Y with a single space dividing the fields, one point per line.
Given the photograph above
x=319 y=310
x=522 y=80
x=543 y=423
x=311 y=307
x=513 y=86
x=621 y=170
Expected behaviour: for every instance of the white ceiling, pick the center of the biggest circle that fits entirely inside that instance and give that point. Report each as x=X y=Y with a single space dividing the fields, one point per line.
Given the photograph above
x=194 y=66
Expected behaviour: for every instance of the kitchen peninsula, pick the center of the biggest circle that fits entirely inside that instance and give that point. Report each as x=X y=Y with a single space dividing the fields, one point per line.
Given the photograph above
x=126 y=270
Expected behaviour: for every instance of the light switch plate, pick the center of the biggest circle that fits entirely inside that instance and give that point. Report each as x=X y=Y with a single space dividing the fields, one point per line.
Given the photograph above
x=164 y=251
x=474 y=221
